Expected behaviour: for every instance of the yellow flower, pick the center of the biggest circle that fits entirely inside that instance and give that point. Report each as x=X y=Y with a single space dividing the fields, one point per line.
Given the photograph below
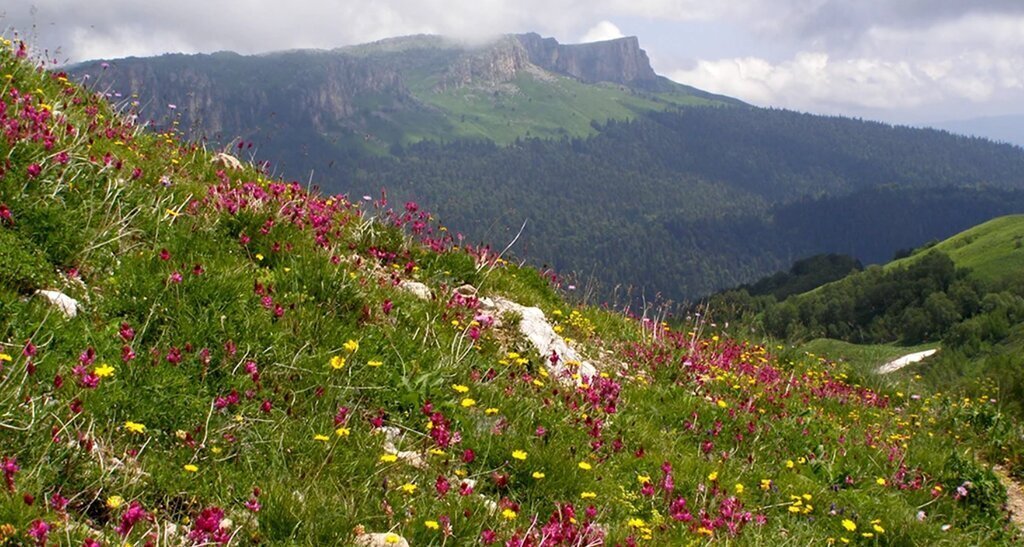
x=342 y=432
x=259 y=256
x=790 y=464
x=766 y=484
x=135 y=427
x=388 y=458
x=636 y=523
x=739 y=488
x=849 y=525
x=432 y=524
x=460 y=388
x=585 y=466
x=643 y=479
x=538 y=475
x=722 y=404
x=880 y=481
x=319 y=437
x=491 y=411
x=191 y=468
x=467 y=402
x=409 y=488
x=794 y=509
x=519 y=454
x=104 y=371
x=374 y=363
x=509 y=514
x=114 y=502
x=337 y=362
x=713 y=476
x=352 y=346
x=587 y=495
x=5 y=357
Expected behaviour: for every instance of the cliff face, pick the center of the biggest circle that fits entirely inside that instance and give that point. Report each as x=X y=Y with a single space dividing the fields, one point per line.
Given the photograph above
x=222 y=93
x=619 y=61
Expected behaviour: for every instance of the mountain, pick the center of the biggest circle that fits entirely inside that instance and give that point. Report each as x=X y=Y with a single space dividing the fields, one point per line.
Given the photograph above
x=619 y=175
x=1006 y=129
x=396 y=91
x=194 y=352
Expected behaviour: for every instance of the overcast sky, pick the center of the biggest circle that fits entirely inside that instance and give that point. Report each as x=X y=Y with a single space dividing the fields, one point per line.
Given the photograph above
x=903 y=61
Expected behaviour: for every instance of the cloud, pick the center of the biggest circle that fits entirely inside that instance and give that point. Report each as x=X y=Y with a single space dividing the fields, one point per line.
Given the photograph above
x=971 y=61
x=605 y=30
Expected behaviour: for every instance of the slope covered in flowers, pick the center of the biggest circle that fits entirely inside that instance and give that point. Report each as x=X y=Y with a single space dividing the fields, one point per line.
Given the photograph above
x=248 y=365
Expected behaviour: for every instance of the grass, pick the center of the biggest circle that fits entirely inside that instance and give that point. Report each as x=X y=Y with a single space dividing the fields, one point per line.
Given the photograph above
x=864 y=358
x=992 y=250
x=247 y=368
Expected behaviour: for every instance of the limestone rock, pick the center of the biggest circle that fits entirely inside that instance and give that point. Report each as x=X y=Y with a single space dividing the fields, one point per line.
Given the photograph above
x=67 y=305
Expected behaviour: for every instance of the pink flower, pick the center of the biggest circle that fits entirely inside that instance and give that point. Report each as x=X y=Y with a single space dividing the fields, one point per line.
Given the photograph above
x=34 y=170
x=9 y=467
x=39 y=529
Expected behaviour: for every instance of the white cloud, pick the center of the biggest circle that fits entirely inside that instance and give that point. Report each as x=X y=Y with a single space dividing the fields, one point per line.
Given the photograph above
x=605 y=30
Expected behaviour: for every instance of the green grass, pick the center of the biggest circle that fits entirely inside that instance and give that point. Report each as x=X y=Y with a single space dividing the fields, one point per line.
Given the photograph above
x=241 y=342
x=864 y=358
x=994 y=251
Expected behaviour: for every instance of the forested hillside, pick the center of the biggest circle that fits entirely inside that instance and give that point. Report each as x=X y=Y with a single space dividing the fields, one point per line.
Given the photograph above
x=619 y=174
x=688 y=202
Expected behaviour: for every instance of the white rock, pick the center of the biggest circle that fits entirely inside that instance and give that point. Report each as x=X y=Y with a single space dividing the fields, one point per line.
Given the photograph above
x=379 y=539
x=418 y=289
x=535 y=327
x=227 y=160
x=67 y=305
x=896 y=364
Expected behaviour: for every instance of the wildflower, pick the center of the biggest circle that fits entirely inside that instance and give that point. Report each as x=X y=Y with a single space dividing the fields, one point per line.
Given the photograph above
x=104 y=371
x=880 y=481
x=766 y=484
x=491 y=411
x=432 y=524
x=319 y=437
x=409 y=488
x=509 y=514
x=849 y=525
x=587 y=495
x=790 y=464
x=519 y=455
x=191 y=468
x=5 y=357
x=739 y=488
x=391 y=538
x=113 y=502
x=9 y=466
x=467 y=402
x=135 y=427
x=585 y=466
x=374 y=363
x=342 y=432
x=388 y=458
x=39 y=529
x=337 y=362
x=538 y=475
x=460 y=388
x=713 y=476
x=722 y=404
x=351 y=346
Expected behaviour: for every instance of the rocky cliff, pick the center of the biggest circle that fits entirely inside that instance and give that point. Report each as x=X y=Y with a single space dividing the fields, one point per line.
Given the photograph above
x=620 y=60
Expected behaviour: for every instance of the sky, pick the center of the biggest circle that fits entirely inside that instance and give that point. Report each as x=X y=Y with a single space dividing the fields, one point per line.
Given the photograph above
x=900 y=61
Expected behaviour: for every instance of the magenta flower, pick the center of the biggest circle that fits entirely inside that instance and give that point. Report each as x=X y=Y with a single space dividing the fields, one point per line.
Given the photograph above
x=9 y=467
x=34 y=170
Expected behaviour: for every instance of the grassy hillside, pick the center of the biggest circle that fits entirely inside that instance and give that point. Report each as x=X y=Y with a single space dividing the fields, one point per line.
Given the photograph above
x=993 y=251
x=249 y=363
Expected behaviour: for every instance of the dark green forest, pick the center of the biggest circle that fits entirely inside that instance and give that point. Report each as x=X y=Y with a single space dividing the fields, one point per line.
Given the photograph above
x=685 y=203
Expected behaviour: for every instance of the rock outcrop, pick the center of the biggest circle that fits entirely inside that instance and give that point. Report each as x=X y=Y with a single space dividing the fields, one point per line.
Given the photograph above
x=619 y=61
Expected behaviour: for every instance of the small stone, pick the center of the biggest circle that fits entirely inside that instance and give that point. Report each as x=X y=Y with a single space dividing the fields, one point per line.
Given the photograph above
x=67 y=305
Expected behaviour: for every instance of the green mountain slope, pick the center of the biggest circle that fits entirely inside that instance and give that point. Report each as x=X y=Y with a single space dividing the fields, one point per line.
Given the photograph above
x=991 y=251
x=251 y=362
x=620 y=175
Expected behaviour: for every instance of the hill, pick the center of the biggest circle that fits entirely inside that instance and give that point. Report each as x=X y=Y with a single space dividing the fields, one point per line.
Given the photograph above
x=991 y=251
x=225 y=357
x=620 y=175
